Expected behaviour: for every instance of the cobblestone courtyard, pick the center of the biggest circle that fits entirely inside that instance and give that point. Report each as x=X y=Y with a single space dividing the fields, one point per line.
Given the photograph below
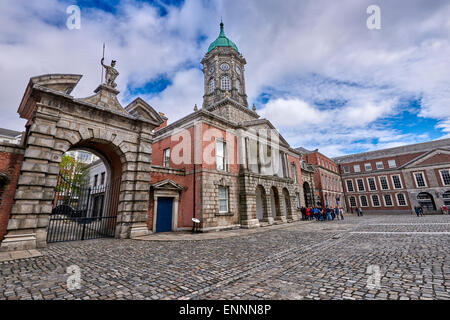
x=319 y=260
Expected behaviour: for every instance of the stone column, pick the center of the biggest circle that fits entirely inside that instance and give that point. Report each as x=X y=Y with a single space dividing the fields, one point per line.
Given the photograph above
x=35 y=188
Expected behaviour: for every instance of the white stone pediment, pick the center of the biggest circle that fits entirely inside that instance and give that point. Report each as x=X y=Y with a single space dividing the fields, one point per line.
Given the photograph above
x=142 y=109
x=167 y=185
x=431 y=157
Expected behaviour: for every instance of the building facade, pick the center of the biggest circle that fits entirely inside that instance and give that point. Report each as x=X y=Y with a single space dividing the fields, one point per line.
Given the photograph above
x=327 y=179
x=398 y=179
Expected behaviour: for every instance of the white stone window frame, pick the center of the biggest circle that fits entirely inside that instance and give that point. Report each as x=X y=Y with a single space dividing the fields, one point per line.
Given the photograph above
x=423 y=178
x=367 y=166
x=374 y=182
x=166 y=159
x=379 y=167
x=398 y=202
x=346 y=169
x=211 y=85
x=224 y=160
x=346 y=185
x=350 y=202
x=373 y=203
x=356 y=166
x=390 y=165
x=225 y=83
x=393 y=183
x=357 y=184
x=384 y=200
x=381 y=184
x=442 y=176
x=227 y=198
x=361 y=202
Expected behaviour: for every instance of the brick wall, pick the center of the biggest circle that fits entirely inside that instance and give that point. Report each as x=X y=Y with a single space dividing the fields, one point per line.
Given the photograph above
x=11 y=157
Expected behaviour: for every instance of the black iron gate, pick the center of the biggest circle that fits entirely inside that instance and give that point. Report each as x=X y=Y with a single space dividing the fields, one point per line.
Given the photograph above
x=82 y=212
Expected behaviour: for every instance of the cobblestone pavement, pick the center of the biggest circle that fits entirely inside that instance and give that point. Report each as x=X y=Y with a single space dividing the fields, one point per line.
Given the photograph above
x=320 y=260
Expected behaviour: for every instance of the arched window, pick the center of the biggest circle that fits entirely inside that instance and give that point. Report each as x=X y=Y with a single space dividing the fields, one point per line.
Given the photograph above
x=238 y=86
x=212 y=85
x=225 y=83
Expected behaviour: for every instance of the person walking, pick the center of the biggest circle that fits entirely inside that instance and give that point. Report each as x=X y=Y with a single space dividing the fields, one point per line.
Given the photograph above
x=307 y=213
x=416 y=209
x=333 y=214
x=341 y=212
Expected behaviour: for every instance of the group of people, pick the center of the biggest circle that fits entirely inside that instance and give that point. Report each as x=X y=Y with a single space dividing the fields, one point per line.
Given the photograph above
x=322 y=214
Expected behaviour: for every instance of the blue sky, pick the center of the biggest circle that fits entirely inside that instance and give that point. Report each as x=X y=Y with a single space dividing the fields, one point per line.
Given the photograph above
x=313 y=67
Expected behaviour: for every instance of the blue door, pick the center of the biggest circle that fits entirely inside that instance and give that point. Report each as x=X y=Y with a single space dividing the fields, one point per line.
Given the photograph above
x=164 y=215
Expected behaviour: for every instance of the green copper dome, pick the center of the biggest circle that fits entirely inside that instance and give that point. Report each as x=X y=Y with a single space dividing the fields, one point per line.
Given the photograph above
x=222 y=41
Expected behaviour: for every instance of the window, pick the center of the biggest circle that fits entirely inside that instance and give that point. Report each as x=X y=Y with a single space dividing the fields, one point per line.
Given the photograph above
x=401 y=200
x=350 y=185
x=352 y=201
x=375 y=200
x=396 y=182
x=166 y=162
x=95 y=180
x=363 y=200
x=392 y=164
x=367 y=167
x=360 y=184
x=212 y=85
x=445 y=176
x=223 y=199
x=102 y=179
x=388 y=200
x=346 y=169
x=221 y=147
x=372 y=184
x=356 y=168
x=294 y=171
x=225 y=83
x=420 y=179
x=238 y=86
x=380 y=165
x=384 y=183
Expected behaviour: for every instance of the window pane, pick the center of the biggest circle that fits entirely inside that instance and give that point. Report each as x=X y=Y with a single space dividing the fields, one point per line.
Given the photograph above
x=384 y=183
x=375 y=200
x=363 y=201
x=397 y=182
x=388 y=199
x=356 y=168
x=419 y=179
x=445 y=177
x=372 y=185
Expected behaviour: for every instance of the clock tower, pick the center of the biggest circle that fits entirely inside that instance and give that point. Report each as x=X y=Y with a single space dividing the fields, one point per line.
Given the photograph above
x=223 y=70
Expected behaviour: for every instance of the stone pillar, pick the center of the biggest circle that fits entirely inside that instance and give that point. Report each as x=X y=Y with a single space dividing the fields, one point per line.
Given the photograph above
x=35 y=188
x=247 y=203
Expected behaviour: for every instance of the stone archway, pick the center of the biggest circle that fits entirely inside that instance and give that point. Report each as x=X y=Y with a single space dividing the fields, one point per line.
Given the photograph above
x=287 y=204
x=261 y=204
x=426 y=201
x=276 y=205
x=307 y=195
x=58 y=122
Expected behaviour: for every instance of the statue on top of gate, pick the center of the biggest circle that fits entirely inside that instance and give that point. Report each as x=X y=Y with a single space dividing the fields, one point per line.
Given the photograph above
x=110 y=73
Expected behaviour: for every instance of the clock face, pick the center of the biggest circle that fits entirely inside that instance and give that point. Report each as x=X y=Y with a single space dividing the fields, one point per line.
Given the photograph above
x=211 y=69
x=238 y=70
x=224 y=67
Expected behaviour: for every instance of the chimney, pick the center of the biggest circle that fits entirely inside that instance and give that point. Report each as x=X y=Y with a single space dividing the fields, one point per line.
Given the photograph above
x=164 y=124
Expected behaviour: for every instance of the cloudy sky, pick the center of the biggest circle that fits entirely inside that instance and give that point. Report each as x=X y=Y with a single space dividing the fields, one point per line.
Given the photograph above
x=313 y=67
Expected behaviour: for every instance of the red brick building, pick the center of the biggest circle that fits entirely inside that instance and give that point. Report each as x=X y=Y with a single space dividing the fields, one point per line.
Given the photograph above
x=396 y=180
x=327 y=179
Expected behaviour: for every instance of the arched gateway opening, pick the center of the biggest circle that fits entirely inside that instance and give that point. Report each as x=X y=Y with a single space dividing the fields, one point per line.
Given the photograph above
x=307 y=194
x=86 y=196
x=426 y=201
x=58 y=123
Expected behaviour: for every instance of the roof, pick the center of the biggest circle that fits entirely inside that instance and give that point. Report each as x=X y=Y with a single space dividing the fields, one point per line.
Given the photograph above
x=222 y=41
x=411 y=148
x=9 y=133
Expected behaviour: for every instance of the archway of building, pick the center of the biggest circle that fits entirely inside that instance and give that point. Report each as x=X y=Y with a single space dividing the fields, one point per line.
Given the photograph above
x=87 y=208
x=307 y=195
x=287 y=203
x=426 y=201
x=446 y=198
x=275 y=202
x=261 y=204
